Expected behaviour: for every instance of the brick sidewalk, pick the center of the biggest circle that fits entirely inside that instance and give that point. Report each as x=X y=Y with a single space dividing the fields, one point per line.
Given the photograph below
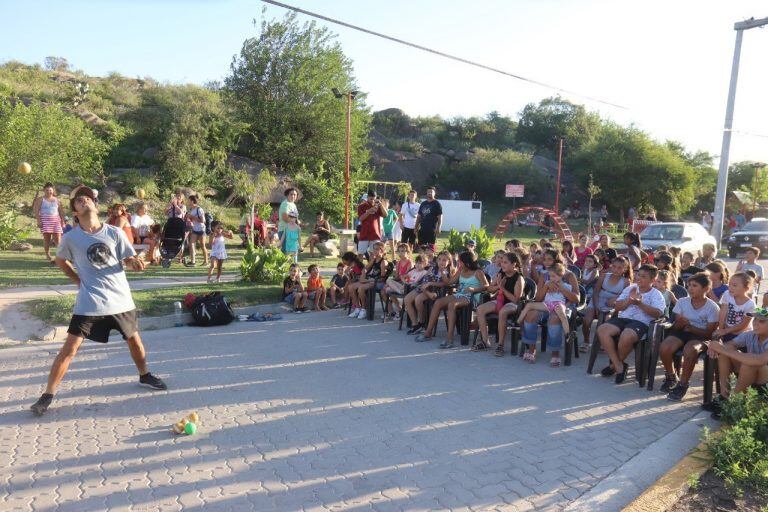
x=316 y=412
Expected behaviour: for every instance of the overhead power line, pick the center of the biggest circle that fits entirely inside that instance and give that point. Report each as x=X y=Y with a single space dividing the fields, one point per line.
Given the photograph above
x=442 y=54
x=749 y=134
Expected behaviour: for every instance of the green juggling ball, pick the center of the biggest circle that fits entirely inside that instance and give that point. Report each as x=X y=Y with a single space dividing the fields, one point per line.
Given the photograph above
x=190 y=428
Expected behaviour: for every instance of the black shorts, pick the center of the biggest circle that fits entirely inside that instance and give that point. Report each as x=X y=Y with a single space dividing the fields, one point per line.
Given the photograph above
x=409 y=236
x=685 y=337
x=427 y=237
x=97 y=328
x=640 y=328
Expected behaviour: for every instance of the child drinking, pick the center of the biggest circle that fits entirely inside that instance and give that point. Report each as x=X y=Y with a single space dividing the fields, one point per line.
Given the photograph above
x=696 y=318
x=315 y=288
x=218 y=249
x=719 y=276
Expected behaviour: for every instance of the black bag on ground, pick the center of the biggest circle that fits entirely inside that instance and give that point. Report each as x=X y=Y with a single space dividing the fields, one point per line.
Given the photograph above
x=212 y=309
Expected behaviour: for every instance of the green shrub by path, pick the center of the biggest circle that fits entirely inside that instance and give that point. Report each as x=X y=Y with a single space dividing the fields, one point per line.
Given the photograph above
x=159 y=301
x=264 y=264
x=740 y=453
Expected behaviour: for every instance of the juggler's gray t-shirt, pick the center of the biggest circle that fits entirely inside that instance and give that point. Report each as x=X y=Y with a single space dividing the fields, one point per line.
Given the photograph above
x=98 y=259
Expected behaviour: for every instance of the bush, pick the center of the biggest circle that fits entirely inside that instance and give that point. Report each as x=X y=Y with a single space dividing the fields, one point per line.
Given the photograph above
x=10 y=231
x=264 y=264
x=740 y=453
x=134 y=180
x=483 y=248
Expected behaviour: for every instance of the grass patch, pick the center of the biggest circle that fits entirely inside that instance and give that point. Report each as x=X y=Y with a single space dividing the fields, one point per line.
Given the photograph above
x=159 y=301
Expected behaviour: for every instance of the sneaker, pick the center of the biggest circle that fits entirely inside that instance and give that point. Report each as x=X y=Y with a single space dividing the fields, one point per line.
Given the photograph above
x=670 y=381
x=150 y=381
x=354 y=313
x=608 y=371
x=446 y=344
x=416 y=329
x=362 y=315
x=42 y=404
x=678 y=392
x=422 y=337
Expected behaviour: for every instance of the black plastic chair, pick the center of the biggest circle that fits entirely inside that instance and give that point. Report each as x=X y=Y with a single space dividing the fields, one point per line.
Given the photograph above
x=576 y=314
x=602 y=316
x=664 y=326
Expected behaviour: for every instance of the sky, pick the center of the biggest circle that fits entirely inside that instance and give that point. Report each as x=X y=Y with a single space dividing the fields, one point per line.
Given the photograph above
x=667 y=62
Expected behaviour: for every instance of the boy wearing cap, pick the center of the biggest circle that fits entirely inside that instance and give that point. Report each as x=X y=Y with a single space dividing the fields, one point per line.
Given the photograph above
x=99 y=252
x=751 y=366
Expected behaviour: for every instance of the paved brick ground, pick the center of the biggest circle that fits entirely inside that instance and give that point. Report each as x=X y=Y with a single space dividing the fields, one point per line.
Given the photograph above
x=315 y=412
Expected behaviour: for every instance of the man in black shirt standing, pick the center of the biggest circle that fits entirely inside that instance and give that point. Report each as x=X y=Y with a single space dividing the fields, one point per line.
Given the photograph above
x=429 y=219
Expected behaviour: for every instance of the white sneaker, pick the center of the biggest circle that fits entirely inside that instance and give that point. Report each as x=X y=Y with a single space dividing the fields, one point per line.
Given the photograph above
x=354 y=313
x=363 y=314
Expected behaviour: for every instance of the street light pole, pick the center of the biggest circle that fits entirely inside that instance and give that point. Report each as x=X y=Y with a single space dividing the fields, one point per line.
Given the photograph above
x=722 y=176
x=559 y=170
x=350 y=95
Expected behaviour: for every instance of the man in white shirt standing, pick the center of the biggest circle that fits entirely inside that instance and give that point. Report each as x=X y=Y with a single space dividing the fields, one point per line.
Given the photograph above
x=408 y=213
x=637 y=306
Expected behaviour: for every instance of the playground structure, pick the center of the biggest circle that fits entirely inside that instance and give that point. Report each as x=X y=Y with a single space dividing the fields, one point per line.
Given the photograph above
x=559 y=227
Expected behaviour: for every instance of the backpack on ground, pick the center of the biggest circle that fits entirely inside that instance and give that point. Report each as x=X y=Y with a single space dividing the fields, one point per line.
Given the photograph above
x=212 y=309
x=208 y=221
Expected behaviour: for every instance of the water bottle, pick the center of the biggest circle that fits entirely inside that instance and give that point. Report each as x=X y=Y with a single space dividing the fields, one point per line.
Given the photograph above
x=177 y=312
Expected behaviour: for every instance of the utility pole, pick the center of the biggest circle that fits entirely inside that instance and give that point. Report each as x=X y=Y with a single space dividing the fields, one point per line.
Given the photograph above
x=350 y=95
x=559 y=170
x=757 y=166
x=722 y=175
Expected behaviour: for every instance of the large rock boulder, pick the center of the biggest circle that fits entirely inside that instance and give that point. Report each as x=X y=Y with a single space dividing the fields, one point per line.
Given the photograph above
x=328 y=248
x=20 y=246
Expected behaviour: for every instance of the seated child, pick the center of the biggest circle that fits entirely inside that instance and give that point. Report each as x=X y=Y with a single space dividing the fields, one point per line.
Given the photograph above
x=554 y=302
x=494 y=266
x=590 y=273
x=395 y=284
x=338 y=285
x=662 y=283
x=438 y=276
x=153 y=252
x=315 y=288
x=375 y=274
x=734 y=306
x=412 y=277
x=696 y=318
x=293 y=292
x=751 y=366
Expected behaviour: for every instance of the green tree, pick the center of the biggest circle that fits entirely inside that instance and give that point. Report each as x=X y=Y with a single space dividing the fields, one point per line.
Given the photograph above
x=59 y=146
x=488 y=171
x=633 y=170
x=541 y=124
x=280 y=87
x=705 y=181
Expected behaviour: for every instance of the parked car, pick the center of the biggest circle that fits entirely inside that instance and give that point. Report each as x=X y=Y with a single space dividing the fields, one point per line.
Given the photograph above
x=689 y=236
x=752 y=234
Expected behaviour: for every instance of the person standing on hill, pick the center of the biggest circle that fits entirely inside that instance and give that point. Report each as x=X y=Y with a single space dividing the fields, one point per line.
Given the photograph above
x=50 y=218
x=99 y=252
x=429 y=219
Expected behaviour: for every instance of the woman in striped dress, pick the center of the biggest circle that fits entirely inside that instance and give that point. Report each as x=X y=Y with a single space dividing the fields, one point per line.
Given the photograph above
x=50 y=218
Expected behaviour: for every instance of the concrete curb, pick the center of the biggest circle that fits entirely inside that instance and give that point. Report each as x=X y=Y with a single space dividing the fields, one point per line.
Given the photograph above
x=643 y=470
x=668 y=489
x=155 y=323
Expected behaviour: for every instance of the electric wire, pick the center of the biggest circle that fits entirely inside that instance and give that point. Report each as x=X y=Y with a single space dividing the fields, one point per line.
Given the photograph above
x=443 y=54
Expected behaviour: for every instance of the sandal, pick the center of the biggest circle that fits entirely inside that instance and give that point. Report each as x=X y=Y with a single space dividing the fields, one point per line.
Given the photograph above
x=584 y=348
x=529 y=358
x=499 y=351
x=555 y=362
x=479 y=346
